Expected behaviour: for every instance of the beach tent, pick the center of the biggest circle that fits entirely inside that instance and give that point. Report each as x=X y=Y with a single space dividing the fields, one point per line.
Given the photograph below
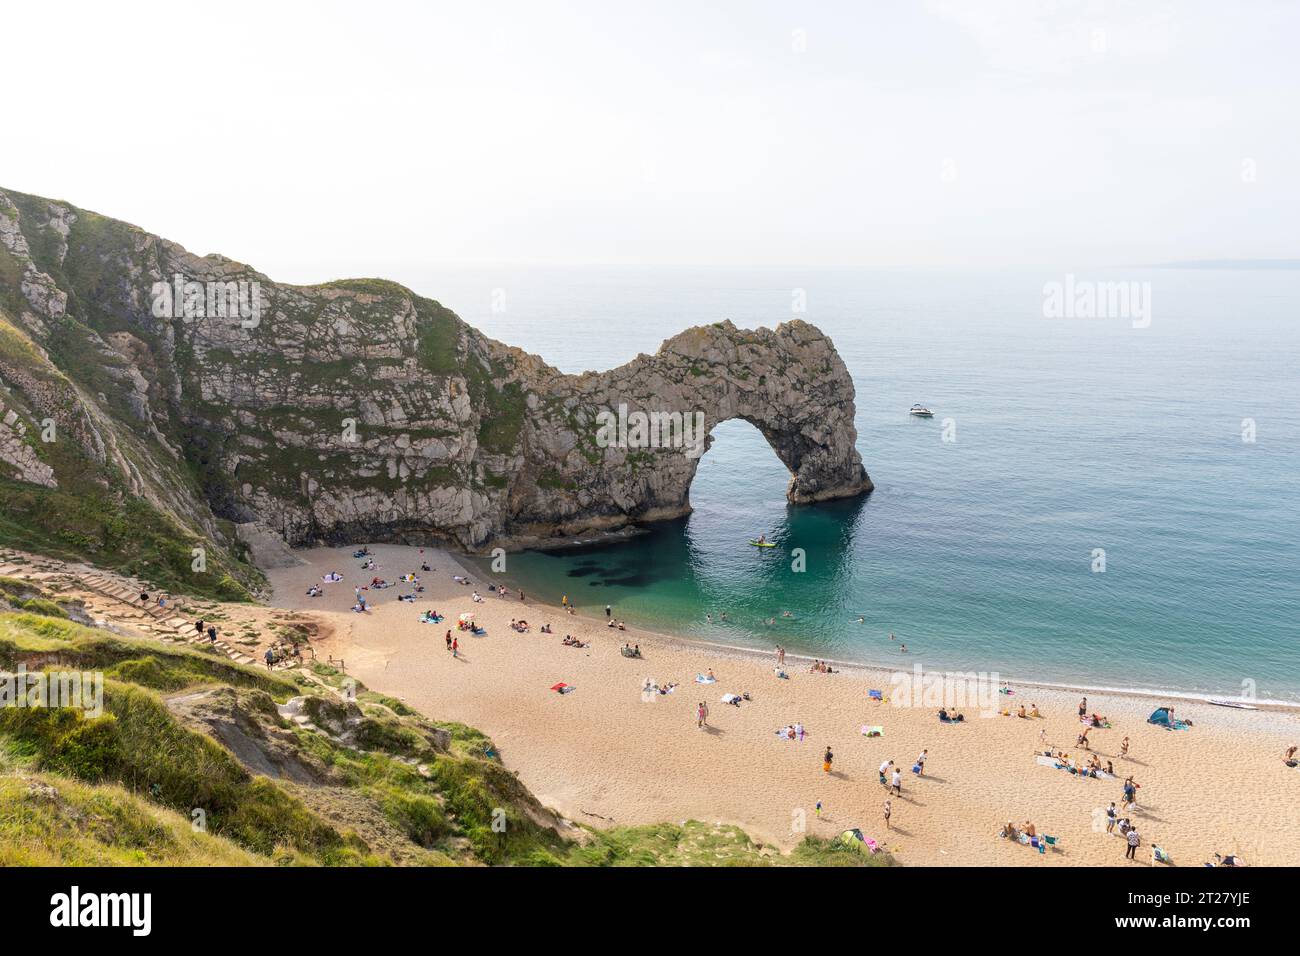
x=1162 y=718
x=862 y=844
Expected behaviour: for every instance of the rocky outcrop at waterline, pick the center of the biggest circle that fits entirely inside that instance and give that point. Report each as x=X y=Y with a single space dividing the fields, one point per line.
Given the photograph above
x=359 y=410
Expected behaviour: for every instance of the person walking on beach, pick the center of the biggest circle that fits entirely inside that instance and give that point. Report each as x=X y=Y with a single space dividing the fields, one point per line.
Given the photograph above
x=898 y=782
x=701 y=715
x=1123 y=747
x=608 y=610
x=1134 y=841
x=448 y=640
x=920 y=763
x=1083 y=708
x=455 y=647
x=827 y=760
x=780 y=656
x=884 y=769
x=1130 y=792
x=1111 y=816
x=889 y=808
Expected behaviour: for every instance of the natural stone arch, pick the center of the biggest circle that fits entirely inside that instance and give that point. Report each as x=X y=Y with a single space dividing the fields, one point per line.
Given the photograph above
x=453 y=437
x=789 y=383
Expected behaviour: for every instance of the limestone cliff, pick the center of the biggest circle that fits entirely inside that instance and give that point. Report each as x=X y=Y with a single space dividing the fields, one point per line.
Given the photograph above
x=360 y=410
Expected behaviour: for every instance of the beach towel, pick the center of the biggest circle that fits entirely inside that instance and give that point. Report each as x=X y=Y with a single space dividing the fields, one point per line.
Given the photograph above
x=875 y=695
x=781 y=674
x=563 y=688
x=731 y=698
x=872 y=731
x=1061 y=765
x=703 y=679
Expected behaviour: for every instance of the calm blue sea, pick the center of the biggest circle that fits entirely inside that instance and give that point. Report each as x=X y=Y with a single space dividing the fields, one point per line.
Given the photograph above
x=1071 y=435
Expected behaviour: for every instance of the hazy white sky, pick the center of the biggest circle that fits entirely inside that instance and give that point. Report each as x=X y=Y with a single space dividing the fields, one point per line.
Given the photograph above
x=322 y=139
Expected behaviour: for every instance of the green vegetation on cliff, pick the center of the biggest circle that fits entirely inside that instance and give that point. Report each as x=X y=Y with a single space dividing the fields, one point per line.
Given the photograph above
x=188 y=736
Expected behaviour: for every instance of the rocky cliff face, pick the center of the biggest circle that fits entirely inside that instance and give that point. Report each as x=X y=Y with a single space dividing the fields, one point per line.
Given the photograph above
x=359 y=410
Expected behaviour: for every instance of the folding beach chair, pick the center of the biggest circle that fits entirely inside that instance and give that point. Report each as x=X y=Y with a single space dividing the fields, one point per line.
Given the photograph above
x=1052 y=842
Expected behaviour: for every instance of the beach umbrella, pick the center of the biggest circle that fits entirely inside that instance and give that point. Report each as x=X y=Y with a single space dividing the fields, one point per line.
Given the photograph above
x=467 y=617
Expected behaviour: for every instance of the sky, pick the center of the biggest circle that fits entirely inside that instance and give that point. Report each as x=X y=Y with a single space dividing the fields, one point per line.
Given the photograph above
x=318 y=140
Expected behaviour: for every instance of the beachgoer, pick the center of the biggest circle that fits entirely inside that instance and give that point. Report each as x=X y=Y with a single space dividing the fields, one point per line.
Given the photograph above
x=898 y=782
x=1134 y=841
x=1123 y=747
x=455 y=647
x=1111 y=816
x=827 y=760
x=608 y=610
x=701 y=715
x=888 y=810
x=920 y=762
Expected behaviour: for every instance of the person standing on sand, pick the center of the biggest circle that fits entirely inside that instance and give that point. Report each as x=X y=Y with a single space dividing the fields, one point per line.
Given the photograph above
x=1134 y=841
x=888 y=809
x=564 y=600
x=827 y=760
x=1123 y=747
x=920 y=762
x=448 y=640
x=884 y=769
x=701 y=715
x=898 y=782
x=608 y=610
x=1083 y=708
x=1111 y=815
x=780 y=658
x=455 y=647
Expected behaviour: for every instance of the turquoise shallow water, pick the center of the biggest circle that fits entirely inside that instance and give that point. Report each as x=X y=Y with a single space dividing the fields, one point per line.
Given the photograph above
x=1071 y=435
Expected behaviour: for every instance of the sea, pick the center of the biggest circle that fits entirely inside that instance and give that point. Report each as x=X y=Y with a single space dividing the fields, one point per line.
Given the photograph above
x=1106 y=496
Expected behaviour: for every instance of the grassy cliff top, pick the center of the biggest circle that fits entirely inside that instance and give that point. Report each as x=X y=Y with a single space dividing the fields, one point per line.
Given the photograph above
x=195 y=760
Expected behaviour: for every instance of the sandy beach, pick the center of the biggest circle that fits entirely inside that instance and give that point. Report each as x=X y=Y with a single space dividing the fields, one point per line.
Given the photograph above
x=607 y=754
